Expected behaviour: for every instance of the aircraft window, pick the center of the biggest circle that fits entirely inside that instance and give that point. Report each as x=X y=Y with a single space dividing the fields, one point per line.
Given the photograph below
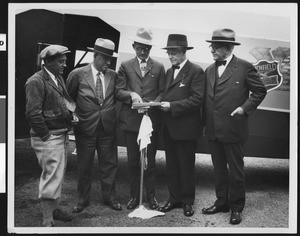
x=82 y=57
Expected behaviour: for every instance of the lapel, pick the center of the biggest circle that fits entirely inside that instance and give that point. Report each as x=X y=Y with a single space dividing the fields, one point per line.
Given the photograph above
x=149 y=66
x=51 y=82
x=168 y=78
x=212 y=75
x=229 y=71
x=88 y=76
x=136 y=66
x=182 y=74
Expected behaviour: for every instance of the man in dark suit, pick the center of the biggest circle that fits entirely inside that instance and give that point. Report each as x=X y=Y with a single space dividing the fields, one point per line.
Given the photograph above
x=92 y=87
x=47 y=111
x=182 y=101
x=140 y=79
x=227 y=109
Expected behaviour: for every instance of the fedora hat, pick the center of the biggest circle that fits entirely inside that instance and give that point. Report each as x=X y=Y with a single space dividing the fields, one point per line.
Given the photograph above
x=143 y=36
x=53 y=50
x=177 y=41
x=105 y=47
x=224 y=36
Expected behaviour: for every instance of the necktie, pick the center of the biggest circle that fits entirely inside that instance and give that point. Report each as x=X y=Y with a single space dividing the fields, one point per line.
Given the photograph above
x=219 y=63
x=143 y=67
x=99 y=89
x=174 y=67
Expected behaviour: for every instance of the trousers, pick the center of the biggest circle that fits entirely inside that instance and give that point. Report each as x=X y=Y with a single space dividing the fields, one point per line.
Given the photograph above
x=52 y=158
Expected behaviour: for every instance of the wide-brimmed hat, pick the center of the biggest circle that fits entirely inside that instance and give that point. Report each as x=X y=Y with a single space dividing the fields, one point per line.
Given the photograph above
x=177 y=41
x=53 y=50
x=143 y=36
x=224 y=36
x=104 y=46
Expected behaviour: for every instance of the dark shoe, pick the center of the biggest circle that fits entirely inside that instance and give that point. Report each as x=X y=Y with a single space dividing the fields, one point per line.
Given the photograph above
x=188 y=210
x=62 y=216
x=79 y=207
x=215 y=209
x=235 y=218
x=133 y=203
x=169 y=206
x=153 y=204
x=114 y=205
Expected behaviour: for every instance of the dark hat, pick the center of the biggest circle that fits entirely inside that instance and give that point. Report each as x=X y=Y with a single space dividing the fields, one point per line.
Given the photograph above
x=53 y=50
x=225 y=36
x=104 y=46
x=143 y=36
x=177 y=41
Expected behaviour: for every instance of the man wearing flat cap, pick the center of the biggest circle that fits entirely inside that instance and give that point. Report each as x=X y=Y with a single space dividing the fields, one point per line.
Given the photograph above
x=229 y=103
x=140 y=79
x=49 y=111
x=182 y=101
x=92 y=87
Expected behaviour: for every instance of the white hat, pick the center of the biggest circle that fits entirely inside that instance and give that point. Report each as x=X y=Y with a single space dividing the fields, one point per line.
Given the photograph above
x=104 y=46
x=143 y=36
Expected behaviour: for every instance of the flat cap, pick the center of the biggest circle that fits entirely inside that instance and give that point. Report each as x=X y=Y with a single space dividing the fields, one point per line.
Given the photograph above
x=53 y=50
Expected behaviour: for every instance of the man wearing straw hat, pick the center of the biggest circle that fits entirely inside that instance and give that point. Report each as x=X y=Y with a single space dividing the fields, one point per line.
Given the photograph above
x=227 y=109
x=140 y=79
x=92 y=87
x=181 y=104
x=48 y=107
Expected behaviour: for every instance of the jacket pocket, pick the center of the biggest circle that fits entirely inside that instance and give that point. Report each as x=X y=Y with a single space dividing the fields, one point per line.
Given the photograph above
x=52 y=115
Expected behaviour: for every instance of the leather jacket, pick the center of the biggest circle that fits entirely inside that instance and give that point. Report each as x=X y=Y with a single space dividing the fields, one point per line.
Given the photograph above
x=46 y=110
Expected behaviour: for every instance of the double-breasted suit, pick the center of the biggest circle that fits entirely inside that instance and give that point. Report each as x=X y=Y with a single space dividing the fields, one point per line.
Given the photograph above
x=181 y=127
x=150 y=88
x=96 y=129
x=227 y=134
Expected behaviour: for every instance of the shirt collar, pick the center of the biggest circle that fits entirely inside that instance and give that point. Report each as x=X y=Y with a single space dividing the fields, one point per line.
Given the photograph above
x=182 y=64
x=141 y=60
x=51 y=75
x=95 y=71
x=228 y=59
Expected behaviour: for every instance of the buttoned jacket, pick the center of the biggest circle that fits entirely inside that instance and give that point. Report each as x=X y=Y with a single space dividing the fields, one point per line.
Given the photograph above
x=81 y=87
x=186 y=96
x=149 y=87
x=224 y=95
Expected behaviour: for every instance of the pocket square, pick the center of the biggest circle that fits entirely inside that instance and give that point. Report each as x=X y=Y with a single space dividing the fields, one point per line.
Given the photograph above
x=181 y=85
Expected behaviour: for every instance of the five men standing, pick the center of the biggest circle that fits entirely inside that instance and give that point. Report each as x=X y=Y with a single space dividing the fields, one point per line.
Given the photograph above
x=223 y=90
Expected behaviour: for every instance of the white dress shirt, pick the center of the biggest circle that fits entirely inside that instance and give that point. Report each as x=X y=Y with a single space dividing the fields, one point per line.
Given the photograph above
x=143 y=65
x=180 y=67
x=222 y=68
x=52 y=76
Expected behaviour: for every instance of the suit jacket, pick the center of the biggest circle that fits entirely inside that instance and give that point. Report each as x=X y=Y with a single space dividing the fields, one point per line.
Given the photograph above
x=81 y=87
x=186 y=96
x=231 y=91
x=149 y=87
x=45 y=105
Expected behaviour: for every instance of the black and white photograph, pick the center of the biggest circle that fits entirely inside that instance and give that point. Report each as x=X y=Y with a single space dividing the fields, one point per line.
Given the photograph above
x=151 y=118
